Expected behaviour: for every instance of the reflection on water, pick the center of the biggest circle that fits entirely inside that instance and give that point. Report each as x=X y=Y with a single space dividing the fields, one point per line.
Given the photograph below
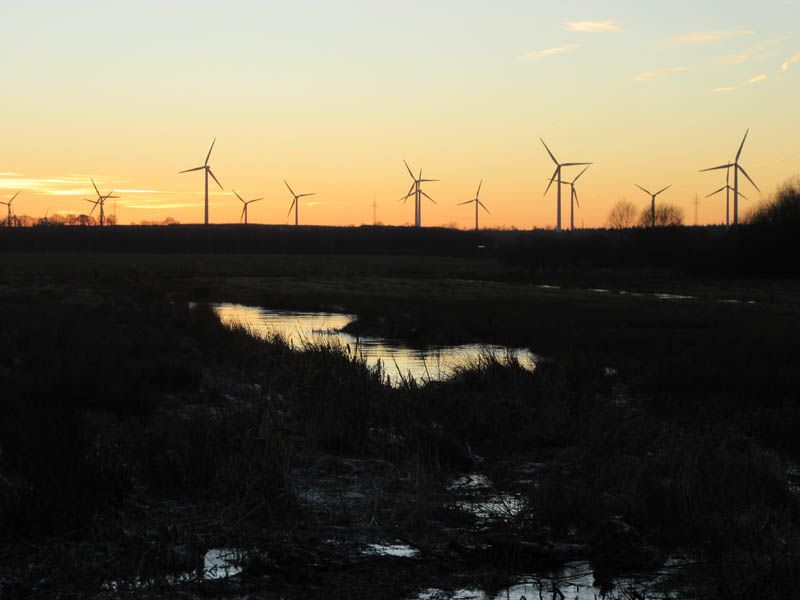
x=399 y=361
x=574 y=581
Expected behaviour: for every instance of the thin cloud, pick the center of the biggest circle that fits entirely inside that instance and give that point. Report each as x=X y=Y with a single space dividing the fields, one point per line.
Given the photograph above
x=703 y=37
x=648 y=75
x=757 y=52
x=593 y=26
x=732 y=88
x=792 y=59
x=540 y=54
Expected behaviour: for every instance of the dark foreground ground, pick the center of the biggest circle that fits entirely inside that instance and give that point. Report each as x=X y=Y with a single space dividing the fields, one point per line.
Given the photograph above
x=137 y=432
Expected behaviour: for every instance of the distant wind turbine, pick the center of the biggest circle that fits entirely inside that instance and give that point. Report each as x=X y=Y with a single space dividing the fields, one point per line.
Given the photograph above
x=478 y=204
x=573 y=198
x=653 y=201
x=100 y=202
x=207 y=168
x=736 y=168
x=557 y=177
x=416 y=191
x=296 y=203
x=246 y=204
x=727 y=189
x=10 y=217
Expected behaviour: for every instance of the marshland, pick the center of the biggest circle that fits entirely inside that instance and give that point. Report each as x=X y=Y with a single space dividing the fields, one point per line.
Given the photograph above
x=640 y=441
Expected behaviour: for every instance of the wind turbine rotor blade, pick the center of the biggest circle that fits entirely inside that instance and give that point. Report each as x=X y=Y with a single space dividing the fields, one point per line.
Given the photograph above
x=95 y=188
x=575 y=195
x=428 y=197
x=411 y=189
x=13 y=197
x=235 y=193
x=291 y=208
x=483 y=207
x=745 y=197
x=304 y=195
x=664 y=190
x=722 y=189
x=478 y=193
x=581 y=173
x=644 y=190
x=210 y=172
x=255 y=200
x=241 y=218
x=748 y=177
x=467 y=202
x=290 y=188
x=728 y=166
x=741 y=147
x=208 y=156
x=574 y=164
x=428 y=180
x=552 y=179
x=409 y=171
x=190 y=170
x=548 y=151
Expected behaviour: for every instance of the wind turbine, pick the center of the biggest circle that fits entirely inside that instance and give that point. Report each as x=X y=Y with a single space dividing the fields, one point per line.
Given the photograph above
x=727 y=189
x=9 y=218
x=557 y=177
x=736 y=168
x=101 y=202
x=296 y=203
x=477 y=201
x=416 y=191
x=573 y=198
x=246 y=204
x=207 y=168
x=653 y=201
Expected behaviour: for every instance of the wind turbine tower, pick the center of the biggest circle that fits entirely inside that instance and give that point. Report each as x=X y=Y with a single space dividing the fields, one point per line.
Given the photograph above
x=246 y=204
x=416 y=191
x=10 y=217
x=653 y=201
x=101 y=202
x=573 y=198
x=736 y=169
x=478 y=204
x=557 y=178
x=207 y=168
x=296 y=204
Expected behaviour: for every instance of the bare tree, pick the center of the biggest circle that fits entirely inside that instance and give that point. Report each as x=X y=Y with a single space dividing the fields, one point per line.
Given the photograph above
x=622 y=215
x=667 y=215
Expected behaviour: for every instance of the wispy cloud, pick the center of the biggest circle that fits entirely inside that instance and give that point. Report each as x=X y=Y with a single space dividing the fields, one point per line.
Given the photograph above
x=63 y=186
x=540 y=54
x=792 y=59
x=593 y=26
x=756 y=52
x=732 y=88
x=703 y=37
x=161 y=206
x=648 y=75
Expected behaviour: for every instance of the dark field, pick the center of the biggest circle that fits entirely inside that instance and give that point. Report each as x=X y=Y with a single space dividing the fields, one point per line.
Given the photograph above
x=138 y=432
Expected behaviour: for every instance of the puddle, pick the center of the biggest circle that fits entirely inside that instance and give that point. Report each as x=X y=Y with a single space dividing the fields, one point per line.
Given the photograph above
x=394 y=550
x=575 y=581
x=221 y=563
x=218 y=563
x=477 y=496
x=397 y=360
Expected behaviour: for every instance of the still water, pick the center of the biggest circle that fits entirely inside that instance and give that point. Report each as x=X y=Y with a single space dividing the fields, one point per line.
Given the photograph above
x=398 y=361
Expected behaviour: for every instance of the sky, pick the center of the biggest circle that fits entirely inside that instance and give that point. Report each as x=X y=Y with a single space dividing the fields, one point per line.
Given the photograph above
x=333 y=95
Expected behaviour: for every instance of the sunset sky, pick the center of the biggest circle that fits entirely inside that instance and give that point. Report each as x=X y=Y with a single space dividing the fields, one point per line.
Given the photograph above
x=333 y=95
